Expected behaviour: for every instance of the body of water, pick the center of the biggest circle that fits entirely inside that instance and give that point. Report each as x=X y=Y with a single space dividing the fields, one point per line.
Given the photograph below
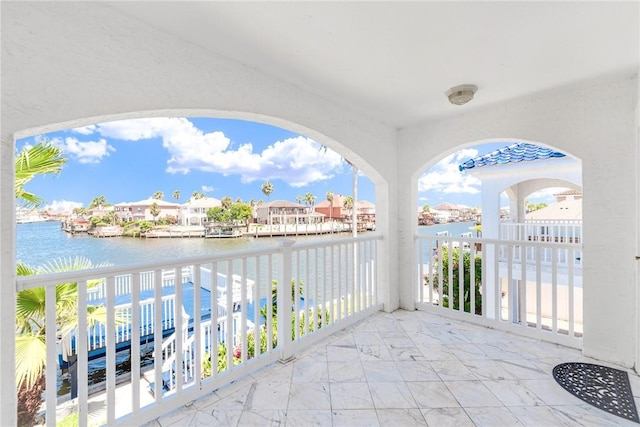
x=41 y=242
x=455 y=229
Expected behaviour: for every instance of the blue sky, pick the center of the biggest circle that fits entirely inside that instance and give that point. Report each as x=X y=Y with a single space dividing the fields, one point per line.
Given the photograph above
x=130 y=160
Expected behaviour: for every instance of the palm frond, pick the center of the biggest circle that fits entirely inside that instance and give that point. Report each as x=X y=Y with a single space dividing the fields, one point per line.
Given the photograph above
x=30 y=303
x=31 y=358
x=41 y=159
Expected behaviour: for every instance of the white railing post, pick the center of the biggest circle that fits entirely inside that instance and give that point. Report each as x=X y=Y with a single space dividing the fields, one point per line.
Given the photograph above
x=284 y=300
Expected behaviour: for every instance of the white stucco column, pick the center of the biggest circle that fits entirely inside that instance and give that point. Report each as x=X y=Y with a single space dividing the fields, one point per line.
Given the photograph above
x=490 y=230
x=8 y=280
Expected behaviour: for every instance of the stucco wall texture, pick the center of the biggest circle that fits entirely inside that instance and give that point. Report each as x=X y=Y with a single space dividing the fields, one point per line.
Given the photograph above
x=59 y=71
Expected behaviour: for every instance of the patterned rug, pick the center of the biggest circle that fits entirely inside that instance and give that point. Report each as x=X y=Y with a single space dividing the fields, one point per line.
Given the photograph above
x=605 y=388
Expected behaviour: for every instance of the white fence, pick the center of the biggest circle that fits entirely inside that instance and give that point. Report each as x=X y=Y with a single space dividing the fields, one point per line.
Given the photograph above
x=556 y=231
x=325 y=285
x=528 y=287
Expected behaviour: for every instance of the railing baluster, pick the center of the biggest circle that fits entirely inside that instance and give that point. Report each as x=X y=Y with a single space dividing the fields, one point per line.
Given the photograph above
x=554 y=290
x=256 y=296
x=52 y=356
x=316 y=303
x=215 y=337
x=523 y=286
x=472 y=277
x=111 y=351
x=243 y=304
x=571 y=296
x=229 y=316
x=331 y=284
x=421 y=273
x=134 y=312
x=512 y=299
x=295 y=266
x=461 y=289
x=284 y=300
x=538 y=288
x=157 y=336
x=307 y=288
x=269 y=282
x=178 y=313
x=196 y=357
x=450 y=274
x=82 y=353
x=497 y=286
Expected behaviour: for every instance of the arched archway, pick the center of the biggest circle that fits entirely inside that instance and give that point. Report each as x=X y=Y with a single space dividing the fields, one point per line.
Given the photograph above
x=514 y=281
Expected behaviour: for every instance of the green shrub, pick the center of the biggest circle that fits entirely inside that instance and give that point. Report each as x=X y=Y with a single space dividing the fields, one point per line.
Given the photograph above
x=442 y=265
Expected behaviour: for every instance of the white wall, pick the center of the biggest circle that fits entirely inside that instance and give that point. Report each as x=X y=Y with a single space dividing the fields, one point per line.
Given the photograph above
x=70 y=64
x=593 y=121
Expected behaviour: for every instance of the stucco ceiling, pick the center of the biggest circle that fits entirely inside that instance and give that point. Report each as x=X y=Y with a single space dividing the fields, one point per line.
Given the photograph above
x=393 y=61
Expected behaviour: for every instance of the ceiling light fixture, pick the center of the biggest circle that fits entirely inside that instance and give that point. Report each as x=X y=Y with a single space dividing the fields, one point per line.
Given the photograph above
x=460 y=95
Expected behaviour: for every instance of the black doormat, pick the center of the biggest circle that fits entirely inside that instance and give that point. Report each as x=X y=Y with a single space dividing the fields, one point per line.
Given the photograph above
x=600 y=386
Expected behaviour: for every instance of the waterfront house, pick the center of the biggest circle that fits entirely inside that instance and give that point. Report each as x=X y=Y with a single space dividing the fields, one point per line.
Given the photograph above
x=141 y=210
x=282 y=212
x=333 y=210
x=194 y=210
x=366 y=212
x=378 y=82
x=25 y=215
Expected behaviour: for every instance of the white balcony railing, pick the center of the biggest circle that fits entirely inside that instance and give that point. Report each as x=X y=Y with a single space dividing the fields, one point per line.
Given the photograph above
x=556 y=231
x=222 y=334
x=528 y=287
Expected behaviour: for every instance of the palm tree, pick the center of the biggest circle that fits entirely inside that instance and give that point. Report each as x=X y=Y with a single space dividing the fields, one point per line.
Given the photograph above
x=267 y=189
x=154 y=210
x=354 y=219
x=310 y=200
x=329 y=197
x=158 y=195
x=197 y=195
x=176 y=195
x=226 y=202
x=31 y=347
x=79 y=211
x=348 y=204
x=98 y=201
x=42 y=158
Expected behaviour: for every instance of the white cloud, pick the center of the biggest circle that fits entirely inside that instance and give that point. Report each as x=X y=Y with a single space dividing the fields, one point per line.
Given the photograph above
x=62 y=206
x=85 y=130
x=84 y=151
x=207 y=188
x=545 y=195
x=298 y=161
x=445 y=176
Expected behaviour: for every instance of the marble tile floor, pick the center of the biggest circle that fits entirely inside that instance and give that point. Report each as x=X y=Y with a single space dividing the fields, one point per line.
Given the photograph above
x=406 y=369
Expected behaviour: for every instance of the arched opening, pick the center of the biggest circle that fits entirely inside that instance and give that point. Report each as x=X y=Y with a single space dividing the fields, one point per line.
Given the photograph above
x=133 y=163
x=164 y=134
x=526 y=268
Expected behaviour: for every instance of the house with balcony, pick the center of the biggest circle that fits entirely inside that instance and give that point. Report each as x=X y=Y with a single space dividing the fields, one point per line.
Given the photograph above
x=382 y=331
x=141 y=210
x=194 y=211
x=333 y=210
x=282 y=212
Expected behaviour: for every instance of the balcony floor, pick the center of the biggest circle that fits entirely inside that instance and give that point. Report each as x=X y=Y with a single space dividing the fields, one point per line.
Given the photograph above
x=410 y=369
